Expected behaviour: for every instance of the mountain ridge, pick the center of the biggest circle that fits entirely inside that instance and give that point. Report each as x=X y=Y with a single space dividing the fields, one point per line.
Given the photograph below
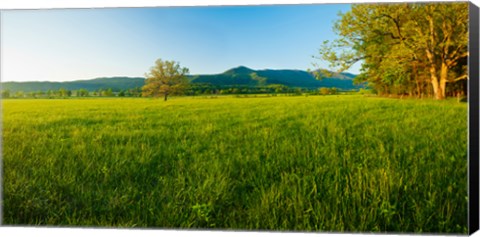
x=244 y=76
x=234 y=77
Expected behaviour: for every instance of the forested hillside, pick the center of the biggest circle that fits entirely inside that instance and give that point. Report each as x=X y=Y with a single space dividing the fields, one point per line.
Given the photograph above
x=291 y=78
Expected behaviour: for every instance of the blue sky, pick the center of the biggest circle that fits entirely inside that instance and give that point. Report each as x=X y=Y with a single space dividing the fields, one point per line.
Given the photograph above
x=72 y=44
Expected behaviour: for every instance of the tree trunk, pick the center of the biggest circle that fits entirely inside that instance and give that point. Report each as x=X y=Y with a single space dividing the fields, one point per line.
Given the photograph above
x=417 y=82
x=443 y=79
x=434 y=80
x=165 y=98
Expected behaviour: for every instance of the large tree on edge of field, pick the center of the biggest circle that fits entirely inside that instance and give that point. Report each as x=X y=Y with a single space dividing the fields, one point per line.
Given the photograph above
x=442 y=33
x=165 y=78
x=405 y=47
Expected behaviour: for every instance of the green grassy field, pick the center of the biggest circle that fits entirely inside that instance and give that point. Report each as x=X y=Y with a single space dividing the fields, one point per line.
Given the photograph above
x=317 y=163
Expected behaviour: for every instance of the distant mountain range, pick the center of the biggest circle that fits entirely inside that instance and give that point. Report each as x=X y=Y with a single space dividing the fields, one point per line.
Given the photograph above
x=293 y=78
x=116 y=83
x=239 y=76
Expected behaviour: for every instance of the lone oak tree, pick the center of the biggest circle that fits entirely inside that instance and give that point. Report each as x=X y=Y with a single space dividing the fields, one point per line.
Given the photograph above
x=165 y=78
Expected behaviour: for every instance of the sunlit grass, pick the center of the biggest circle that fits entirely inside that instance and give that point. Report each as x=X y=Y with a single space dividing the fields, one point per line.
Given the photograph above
x=321 y=163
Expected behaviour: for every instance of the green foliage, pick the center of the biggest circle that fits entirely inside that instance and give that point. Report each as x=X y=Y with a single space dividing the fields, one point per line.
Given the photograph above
x=324 y=91
x=406 y=48
x=19 y=94
x=334 y=90
x=165 y=78
x=63 y=93
x=261 y=81
x=108 y=92
x=82 y=93
x=329 y=91
x=364 y=92
x=5 y=93
x=320 y=163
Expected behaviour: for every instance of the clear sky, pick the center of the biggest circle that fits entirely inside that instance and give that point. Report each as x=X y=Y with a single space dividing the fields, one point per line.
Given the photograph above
x=72 y=44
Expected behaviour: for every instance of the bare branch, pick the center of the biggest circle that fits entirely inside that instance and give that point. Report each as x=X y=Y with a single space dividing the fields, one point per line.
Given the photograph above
x=462 y=77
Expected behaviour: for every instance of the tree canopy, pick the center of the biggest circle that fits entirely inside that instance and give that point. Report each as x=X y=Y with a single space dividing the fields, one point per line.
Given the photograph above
x=418 y=49
x=165 y=78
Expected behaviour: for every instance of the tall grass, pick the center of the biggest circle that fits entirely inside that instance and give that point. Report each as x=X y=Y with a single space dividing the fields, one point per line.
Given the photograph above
x=318 y=163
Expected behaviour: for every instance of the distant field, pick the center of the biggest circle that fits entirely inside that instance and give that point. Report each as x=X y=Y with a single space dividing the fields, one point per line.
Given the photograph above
x=322 y=163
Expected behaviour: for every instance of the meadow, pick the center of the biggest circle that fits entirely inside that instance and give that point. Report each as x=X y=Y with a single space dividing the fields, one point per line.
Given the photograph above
x=318 y=163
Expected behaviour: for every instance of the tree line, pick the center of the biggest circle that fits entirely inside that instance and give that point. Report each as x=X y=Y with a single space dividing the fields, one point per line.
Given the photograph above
x=190 y=90
x=416 y=49
x=65 y=93
x=206 y=89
